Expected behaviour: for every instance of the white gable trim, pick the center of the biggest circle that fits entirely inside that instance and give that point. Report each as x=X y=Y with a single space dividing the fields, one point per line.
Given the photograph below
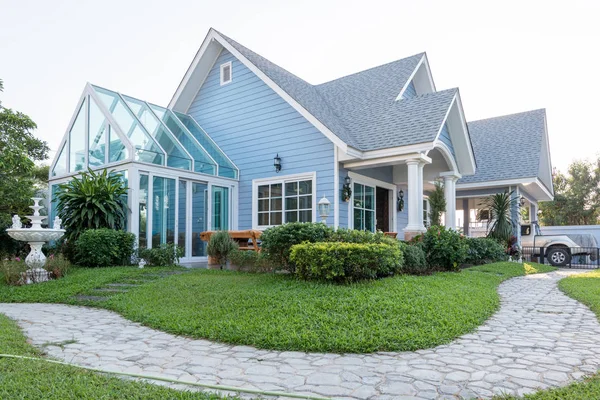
x=423 y=63
x=551 y=188
x=213 y=35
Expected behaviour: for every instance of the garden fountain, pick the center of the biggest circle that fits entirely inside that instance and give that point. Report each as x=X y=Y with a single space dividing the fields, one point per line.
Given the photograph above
x=36 y=236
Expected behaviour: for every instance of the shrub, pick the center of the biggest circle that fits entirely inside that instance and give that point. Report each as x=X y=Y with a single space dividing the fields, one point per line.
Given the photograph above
x=251 y=261
x=104 y=248
x=356 y=236
x=12 y=270
x=278 y=241
x=57 y=265
x=220 y=246
x=484 y=250
x=444 y=248
x=414 y=260
x=165 y=255
x=345 y=262
x=94 y=200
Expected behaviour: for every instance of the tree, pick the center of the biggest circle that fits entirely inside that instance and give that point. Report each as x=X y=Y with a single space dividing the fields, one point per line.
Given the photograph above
x=500 y=222
x=437 y=204
x=576 y=196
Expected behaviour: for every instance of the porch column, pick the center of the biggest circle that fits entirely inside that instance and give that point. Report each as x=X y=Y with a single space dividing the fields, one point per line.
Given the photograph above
x=415 y=199
x=533 y=212
x=466 y=217
x=450 y=179
x=516 y=213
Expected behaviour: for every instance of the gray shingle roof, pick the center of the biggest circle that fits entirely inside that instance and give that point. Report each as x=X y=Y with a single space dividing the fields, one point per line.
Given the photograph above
x=507 y=147
x=361 y=108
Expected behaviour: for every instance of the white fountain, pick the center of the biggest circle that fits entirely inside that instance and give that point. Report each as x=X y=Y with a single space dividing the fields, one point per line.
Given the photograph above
x=36 y=236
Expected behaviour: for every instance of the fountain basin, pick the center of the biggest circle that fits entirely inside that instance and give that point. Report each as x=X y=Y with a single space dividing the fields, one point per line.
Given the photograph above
x=35 y=235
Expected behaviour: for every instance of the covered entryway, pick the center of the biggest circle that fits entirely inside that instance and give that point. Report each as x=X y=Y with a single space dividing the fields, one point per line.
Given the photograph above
x=382 y=209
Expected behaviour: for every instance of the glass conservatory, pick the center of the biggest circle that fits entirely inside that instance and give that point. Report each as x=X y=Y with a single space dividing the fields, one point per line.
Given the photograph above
x=180 y=182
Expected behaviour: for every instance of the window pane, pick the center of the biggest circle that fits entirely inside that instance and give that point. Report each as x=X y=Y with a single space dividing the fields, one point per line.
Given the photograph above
x=182 y=217
x=263 y=191
x=61 y=164
x=369 y=198
x=369 y=221
x=77 y=141
x=291 y=203
x=305 y=202
x=143 y=211
x=116 y=148
x=305 y=187
x=275 y=204
x=291 y=188
x=276 y=190
x=220 y=208
x=97 y=135
x=291 y=216
x=276 y=218
x=358 y=219
x=163 y=211
x=263 y=205
x=199 y=217
x=358 y=195
x=263 y=219
x=305 y=216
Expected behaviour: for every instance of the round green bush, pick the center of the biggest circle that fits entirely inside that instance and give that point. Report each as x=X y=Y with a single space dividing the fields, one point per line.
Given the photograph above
x=104 y=248
x=220 y=246
x=484 y=251
x=414 y=260
x=445 y=249
x=345 y=262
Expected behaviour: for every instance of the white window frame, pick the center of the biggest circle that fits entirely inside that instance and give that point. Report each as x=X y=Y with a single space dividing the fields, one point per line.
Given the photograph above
x=222 y=69
x=309 y=176
x=365 y=180
x=427 y=210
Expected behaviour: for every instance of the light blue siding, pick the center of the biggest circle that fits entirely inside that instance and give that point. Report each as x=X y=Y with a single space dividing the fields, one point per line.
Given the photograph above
x=251 y=123
x=445 y=138
x=343 y=205
x=409 y=92
x=402 y=217
x=384 y=174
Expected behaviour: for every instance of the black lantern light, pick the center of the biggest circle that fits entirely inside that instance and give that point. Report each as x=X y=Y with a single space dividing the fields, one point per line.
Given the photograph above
x=277 y=163
x=347 y=189
x=522 y=201
x=401 y=200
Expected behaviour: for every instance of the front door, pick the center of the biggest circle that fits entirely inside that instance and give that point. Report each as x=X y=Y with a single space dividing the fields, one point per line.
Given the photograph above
x=382 y=209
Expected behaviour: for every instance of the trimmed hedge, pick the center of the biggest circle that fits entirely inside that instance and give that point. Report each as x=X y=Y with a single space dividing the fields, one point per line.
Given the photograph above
x=345 y=262
x=166 y=255
x=414 y=260
x=444 y=249
x=485 y=251
x=104 y=248
x=356 y=236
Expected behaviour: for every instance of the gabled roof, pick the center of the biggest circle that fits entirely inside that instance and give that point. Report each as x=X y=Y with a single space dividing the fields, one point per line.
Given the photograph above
x=510 y=147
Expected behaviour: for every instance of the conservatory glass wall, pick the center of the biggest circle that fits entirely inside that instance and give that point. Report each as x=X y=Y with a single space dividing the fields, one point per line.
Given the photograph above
x=180 y=182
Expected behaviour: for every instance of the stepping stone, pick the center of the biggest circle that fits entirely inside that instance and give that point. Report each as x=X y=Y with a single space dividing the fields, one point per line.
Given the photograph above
x=123 y=285
x=81 y=297
x=110 y=290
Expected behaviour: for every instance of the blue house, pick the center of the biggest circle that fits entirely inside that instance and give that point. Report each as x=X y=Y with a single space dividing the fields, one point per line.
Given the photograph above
x=245 y=144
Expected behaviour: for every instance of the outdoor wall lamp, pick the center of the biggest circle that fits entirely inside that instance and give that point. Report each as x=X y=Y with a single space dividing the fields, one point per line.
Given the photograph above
x=346 y=189
x=401 y=200
x=522 y=201
x=324 y=206
x=277 y=163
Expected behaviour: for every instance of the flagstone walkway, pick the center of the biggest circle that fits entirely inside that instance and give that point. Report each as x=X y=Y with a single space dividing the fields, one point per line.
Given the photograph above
x=538 y=339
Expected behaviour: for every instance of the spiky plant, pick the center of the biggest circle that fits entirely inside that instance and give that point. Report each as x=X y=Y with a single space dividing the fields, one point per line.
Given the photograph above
x=500 y=225
x=92 y=201
x=437 y=204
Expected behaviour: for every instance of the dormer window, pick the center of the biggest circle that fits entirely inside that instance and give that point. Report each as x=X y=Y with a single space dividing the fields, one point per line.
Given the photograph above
x=225 y=73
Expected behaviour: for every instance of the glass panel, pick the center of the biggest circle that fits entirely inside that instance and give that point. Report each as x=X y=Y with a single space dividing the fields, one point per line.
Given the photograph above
x=369 y=197
x=176 y=156
x=199 y=220
x=291 y=188
x=276 y=218
x=77 y=141
x=276 y=190
x=263 y=219
x=163 y=211
x=291 y=216
x=116 y=149
x=60 y=168
x=182 y=217
x=143 y=212
x=263 y=191
x=53 y=204
x=220 y=208
x=358 y=195
x=358 y=219
x=305 y=187
x=97 y=136
x=370 y=221
x=226 y=168
x=291 y=203
x=276 y=204
x=305 y=202
x=203 y=162
x=305 y=216
x=263 y=205
x=146 y=149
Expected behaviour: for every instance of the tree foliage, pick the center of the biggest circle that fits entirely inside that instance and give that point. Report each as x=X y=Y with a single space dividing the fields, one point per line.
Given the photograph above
x=92 y=201
x=437 y=204
x=500 y=222
x=576 y=196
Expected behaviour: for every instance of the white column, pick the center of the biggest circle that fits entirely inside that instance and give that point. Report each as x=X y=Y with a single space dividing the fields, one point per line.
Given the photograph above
x=420 y=194
x=450 y=179
x=413 y=197
x=533 y=210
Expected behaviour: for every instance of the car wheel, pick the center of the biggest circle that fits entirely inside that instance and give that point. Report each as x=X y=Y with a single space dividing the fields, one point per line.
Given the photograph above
x=559 y=257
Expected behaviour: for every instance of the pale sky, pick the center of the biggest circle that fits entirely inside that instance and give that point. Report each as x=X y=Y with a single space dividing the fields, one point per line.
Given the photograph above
x=505 y=56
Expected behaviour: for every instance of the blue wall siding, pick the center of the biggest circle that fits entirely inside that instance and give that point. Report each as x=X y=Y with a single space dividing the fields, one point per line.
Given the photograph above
x=402 y=217
x=410 y=91
x=384 y=174
x=445 y=138
x=251 y=123
x=343 y=205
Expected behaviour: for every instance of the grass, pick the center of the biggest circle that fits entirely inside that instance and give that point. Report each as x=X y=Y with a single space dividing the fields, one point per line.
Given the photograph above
x=279 y=312
x=586 y=390
x=24 y=379
x=584 y=288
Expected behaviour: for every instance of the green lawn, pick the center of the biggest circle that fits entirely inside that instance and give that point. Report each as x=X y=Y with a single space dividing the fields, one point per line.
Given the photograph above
x=279 y=312
x=25 y=379
x=589 y=389
x=584 y=288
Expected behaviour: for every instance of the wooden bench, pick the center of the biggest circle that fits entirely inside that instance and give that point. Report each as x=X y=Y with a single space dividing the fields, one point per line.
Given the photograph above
x=241 y=237
x=391 y=234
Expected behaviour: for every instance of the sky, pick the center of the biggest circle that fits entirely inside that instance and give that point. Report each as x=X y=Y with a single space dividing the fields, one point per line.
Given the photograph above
x=505 y=56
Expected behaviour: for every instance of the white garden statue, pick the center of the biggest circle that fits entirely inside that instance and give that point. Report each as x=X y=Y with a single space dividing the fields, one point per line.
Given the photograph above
x=16 y=222
x=57 y=223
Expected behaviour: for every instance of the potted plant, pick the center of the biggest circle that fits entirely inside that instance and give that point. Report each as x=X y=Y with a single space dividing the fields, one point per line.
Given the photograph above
x=219 y=247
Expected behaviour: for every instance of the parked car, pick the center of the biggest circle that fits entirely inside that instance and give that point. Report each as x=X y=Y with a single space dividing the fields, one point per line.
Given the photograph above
x=559 y=249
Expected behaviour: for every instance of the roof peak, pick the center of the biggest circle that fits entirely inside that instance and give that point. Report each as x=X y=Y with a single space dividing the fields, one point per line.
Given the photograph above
x=510 y=115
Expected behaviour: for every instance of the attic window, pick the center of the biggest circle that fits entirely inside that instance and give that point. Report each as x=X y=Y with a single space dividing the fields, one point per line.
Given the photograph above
x=225 y=73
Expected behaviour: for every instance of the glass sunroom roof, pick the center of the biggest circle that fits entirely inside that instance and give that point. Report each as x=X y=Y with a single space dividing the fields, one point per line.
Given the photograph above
x=122 y=127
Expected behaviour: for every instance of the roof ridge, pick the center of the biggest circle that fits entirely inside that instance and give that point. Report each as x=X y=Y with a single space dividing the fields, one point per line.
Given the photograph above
x=509 y=115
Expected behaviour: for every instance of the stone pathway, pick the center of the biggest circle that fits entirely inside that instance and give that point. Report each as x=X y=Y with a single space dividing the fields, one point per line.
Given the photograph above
x=538 y=339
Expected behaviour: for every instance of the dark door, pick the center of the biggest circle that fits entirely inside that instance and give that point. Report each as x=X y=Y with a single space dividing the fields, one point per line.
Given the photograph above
x=382 y=209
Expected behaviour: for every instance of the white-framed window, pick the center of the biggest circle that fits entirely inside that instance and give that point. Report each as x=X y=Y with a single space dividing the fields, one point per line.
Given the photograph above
x=226 y=73
x=364 y=207
x=286 y=199
x=426 y=212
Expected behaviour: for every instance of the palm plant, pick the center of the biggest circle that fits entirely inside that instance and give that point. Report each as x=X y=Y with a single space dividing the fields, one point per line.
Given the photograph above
x=94 y=200
x=500 y=225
